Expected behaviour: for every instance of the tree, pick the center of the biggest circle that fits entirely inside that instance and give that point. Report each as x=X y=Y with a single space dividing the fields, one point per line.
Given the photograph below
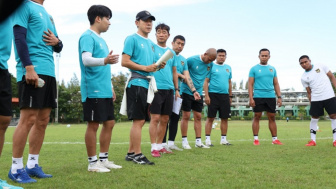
x=119 y=81
x=241 y=84
x=246 y=85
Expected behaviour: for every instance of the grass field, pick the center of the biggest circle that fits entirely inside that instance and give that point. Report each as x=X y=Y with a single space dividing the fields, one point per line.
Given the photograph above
x=241 y=165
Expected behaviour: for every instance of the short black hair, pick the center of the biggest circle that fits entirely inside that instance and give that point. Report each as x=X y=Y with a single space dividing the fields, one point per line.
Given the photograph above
x=221 y=50
x=180 y=37
x=98 y=10
x=162 y=26
x=264 y=49
x=304 y=56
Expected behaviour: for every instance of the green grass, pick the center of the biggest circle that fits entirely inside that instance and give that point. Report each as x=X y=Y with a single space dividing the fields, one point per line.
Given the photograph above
x=242 y=165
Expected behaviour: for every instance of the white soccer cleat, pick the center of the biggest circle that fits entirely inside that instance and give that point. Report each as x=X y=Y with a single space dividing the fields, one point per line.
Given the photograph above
x=97 y=167
x=201 y=145
x=110 y=165
x=209 y=144
x=167 y=148
x=186 y=146
x=225 y=143
x=174 y=147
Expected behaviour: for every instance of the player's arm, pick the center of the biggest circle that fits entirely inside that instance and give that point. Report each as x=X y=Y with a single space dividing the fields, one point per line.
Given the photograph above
x=175 y=80
x=206 y=91
x=332 y=78
x=230 y=91
x=114 y=94
x=51 y=40
x=128 y=63
x=277 y=90
x=190 y=84
x=308 y=93
x=20 y=34
x=250 y=90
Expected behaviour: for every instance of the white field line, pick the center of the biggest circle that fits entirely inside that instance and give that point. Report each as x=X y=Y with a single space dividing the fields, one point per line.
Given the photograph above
x=191 y=141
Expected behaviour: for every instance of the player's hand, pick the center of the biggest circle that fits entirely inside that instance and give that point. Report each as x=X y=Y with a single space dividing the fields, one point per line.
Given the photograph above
x=163 y=64
x=50 y=38
x=111 y=59
x=150 y=68
x=114 y=96
x=31 y=76
x=230 y=101
x=252 y=103
x=197 y=96
x=177 y=94
x=207 y=100
x=279 y=102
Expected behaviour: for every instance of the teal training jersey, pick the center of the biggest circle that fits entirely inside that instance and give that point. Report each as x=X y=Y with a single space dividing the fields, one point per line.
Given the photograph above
x=198 y=71
x=219 y=78
x=95 y=80
x=36 y=20
x=164 y=77
x=263 y=81
x=141 y=51
x=181 y=66
x=6 y=37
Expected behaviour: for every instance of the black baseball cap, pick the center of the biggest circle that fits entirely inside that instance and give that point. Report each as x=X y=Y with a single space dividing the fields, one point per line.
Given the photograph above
x=144 y=15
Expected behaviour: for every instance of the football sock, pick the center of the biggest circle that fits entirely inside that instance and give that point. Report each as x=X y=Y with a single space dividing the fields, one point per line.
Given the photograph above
x=17 y=163
x=103 y=156
x=223 y=138
x=198 y=140
x=313 y=128
x=256 y=137
x=274 y=138
x=333 y=127
x=170 y=143
x=207 y=138
x=159 y=146
x=184 y=139
x=92 y=159
x=32 y=160
x=153 y=146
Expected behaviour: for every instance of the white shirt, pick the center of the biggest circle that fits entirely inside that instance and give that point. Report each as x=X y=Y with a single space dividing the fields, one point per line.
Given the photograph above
x=319 y=83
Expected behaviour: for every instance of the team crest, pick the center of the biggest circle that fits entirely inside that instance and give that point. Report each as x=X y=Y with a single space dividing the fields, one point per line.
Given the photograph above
x=52 y=20
x=271 y=70
x=182 y=63
x=227 y=70
x=318 y=70
x=153 y=48
x=208 y=68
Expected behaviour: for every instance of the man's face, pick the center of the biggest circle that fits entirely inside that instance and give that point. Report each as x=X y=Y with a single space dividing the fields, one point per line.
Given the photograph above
x=221 y=57
x=144 y=26
x=305 y=63
x=208 y=59
x=178 y=46
x=104 y=24
x=162 y=35
x=264 y=56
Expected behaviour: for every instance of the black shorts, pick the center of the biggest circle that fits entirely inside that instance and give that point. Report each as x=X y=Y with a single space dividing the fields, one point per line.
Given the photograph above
x=137 y=106
x=5 y=93
x=44 y=97
x=189 y=103
x=221 y=103
x=264 y=104
x=162 y=103
x=316 y=107
x=98 y=109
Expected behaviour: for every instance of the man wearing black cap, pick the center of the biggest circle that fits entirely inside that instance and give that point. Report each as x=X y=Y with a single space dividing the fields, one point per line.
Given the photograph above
x=138 y=56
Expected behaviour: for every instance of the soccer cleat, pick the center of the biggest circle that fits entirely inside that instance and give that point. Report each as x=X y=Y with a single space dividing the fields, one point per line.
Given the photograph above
x=168 y=149
x=312 y=143
x=20 y=176
x=208 y=143
x=256 y=142
x=37 y=172
x=4 y=185
x=155 y=153
x=129 y=157
x=110 y=164
x=142 y=160
x=224 y=142
x=201 y=145
x=186 y=146
x=277 y=142
x=334 y=143
x=165 y=151
x=174 y=147
x=97 y=167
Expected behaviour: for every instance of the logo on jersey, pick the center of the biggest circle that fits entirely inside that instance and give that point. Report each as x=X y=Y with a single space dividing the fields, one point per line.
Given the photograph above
x=318 y=70
x=153 y=48
x=216 y=70
x=142 y=45
x=41 y=15
x=182 y=63
x=208 y=68
x=271 y=70
x=227 y=70
x=259 y=71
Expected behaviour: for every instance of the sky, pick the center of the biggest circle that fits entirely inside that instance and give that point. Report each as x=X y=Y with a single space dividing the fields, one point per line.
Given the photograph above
x=288 y=28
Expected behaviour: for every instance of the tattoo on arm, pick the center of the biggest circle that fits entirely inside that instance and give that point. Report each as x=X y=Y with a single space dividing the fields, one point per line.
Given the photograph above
x=191 y=84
